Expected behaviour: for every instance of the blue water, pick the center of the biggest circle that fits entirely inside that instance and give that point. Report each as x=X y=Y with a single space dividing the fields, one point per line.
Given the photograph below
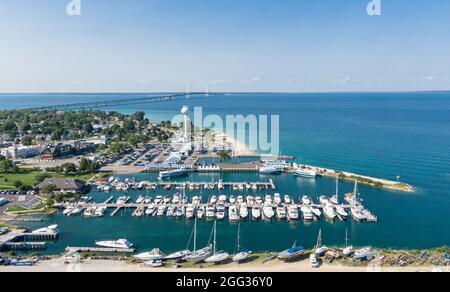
x=377 y=134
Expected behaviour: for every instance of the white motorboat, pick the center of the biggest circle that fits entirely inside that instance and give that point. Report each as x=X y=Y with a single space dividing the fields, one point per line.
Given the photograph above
x=256 y=212
x=47 y=230
x=329 y=212
x=306 y=200
x=170 y=211
x=122 y=200
x=281 y=213
x=201 y=212
x=213 y=200
x=292 y=213
x=232 y=199
x=179 y=212
x=243 y=211
x=305 y=173
x=268 y=212
x=120 y=243
x=316 y=212
x=222 y=199
x=277 y=199
x=140 y=200
x=176 y=199
x=68 y=210
x=341 y=213
x=161 y=210
x=287 y=199
x=210 y=212
x=258 y=200
x=220 y=212
x=240 y=199
x=155 y=254
x=357 y=213
x=269 y=170
x=158 y=200
x=151 y=210
x=268 y=200
x=217 y=257
x=307 y=213
x=233 y=213
x=190 y=212
x=173 y=173
x=154 y=263
x=324 y=200
x=250 y=201
x=100 y=212
x=176 y=256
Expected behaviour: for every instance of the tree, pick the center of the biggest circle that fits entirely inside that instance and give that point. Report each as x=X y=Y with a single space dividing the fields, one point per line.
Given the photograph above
x=41 y=177
x=17 y=184
x=27 y=140
x=138 y=116
x=48 y=189
x=224 y=155
x=68 y=168
x=7 y=166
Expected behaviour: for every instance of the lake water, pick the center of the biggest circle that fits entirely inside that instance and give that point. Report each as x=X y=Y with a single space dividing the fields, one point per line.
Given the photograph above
x=376 y=134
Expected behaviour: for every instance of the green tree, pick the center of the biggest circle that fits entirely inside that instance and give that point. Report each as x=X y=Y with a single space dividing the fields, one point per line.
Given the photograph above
x=18 y=184
x=224 y=155
x=7 y=166
x=41 y=177
x=27 y=140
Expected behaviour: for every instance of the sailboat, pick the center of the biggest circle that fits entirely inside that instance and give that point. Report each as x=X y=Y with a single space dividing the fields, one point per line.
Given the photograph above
x=348 y=250
x=320 y=249
x=198 y=255
x=335 y=199
x=217 y=257
x=244 y=254
x=291 y=254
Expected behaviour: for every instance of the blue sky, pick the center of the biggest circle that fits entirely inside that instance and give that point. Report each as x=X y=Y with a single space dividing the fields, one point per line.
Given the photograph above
x=230 y=45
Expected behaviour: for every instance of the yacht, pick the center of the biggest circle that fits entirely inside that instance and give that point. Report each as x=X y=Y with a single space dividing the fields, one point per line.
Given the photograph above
x=268 y=200
x=307 y=213
x=306 y=200
x=222 y=199
x=243 y=211
x=277 y=199
x=268 y=212
x=121 y=200
x=176 y=199
x=348 y=250
x=240 y=199
x=140 y=200
x=220 y=214
x=250 y=201
x=210 y=212
x=170 y=211
x=305 y=173
x=176 y=256
x=258 y=200
x=76 y=211
x=281 y=213
x=292 y=212
x=190 y=212
x=201 y=212
x=121 y=243
x=244 y=254
x=287 y=199
x=254 y=187
x=179 y=212
x=46 y=230
x=357 y=213
x=196 y=200
x=233 y=213
x=329 y=212
x=341 y=213
x=151 y=210
x=173 y=173
x=68 y=210
x=256 y=212
x=316 y=212
x=100 y=212
x=158 y=200
x=320 y=249
x=269 y=170
x=291 y=254
x=324 y=200
x=155 y=254
x=217 y=257
x=213 y=200
x=161 y=211
x=232 y=199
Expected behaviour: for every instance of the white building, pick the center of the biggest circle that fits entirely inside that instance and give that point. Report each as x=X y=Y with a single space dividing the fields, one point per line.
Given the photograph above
x=16 y=152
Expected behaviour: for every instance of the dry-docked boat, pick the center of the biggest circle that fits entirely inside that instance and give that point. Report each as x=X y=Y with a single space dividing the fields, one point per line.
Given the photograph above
x=291 y=254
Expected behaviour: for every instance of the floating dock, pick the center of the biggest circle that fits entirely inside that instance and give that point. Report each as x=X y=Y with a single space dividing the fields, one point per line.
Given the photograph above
x=100 y=249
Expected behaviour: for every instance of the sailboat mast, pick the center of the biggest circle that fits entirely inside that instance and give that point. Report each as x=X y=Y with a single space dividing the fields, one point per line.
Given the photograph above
x=239 y=237
x=195 y=234
x=346 y=237
x=337 y=186
x=215 y=231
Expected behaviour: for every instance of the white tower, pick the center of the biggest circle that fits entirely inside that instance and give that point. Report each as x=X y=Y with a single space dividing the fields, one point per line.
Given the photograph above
x=185 y=111
x=207 y=90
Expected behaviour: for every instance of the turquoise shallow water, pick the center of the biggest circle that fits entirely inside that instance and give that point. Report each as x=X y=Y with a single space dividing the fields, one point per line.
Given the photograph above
x=378 y=134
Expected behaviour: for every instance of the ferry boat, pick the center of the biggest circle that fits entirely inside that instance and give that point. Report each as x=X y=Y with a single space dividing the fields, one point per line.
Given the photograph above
x=269 y=170
x=121 y=243
x=291 y=254
x=305 y=173
x=173 y=173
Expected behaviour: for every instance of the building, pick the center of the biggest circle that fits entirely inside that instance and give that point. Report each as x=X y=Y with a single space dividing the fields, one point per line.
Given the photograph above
x=57 y=151
x=65 y=185
x=17 y=152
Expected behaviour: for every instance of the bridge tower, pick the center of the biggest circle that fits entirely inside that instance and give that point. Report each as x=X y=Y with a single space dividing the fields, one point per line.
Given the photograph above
x=188 y=90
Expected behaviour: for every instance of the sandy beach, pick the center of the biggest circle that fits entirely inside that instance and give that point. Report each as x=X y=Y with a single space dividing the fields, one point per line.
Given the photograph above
x=57 y=265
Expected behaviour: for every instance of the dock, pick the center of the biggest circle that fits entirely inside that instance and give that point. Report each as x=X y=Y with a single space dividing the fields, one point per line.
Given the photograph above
x=100 y=249
x=20 y=240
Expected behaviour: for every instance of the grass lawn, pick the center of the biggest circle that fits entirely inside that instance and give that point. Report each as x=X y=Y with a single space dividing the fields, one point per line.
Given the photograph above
x=29 y=178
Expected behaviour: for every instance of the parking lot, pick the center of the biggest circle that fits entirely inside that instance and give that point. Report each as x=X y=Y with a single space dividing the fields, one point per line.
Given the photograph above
x=27 y=201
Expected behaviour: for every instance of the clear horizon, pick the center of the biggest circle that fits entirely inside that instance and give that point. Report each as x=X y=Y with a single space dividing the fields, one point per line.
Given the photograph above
x=230 y=46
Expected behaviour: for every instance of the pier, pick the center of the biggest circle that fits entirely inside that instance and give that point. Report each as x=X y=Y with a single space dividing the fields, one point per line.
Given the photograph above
x=21 y=240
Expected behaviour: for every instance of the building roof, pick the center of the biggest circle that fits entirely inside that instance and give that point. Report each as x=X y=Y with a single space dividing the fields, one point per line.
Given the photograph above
x=63 y=184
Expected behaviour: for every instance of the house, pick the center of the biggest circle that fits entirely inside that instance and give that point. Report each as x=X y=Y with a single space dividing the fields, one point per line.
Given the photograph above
x=65 y=185
x=57 y=151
